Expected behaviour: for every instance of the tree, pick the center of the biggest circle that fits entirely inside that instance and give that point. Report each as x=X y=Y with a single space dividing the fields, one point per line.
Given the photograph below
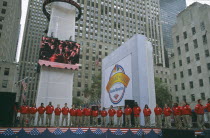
x=162 y=93
x=77 y=101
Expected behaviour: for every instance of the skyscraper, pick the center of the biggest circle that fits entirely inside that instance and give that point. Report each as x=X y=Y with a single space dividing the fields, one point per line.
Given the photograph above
x=10 y=14
x=104 y=26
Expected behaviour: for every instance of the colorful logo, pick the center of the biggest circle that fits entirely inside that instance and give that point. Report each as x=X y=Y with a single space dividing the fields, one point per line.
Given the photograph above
x=118 y=82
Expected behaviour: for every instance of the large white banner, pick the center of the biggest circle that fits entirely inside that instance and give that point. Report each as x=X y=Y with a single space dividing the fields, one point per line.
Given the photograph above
x=118 y=83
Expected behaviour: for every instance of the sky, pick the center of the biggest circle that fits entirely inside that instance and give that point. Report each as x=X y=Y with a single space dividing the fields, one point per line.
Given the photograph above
x=24 y=11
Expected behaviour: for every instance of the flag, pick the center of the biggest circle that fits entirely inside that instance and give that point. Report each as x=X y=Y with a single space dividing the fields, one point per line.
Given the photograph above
x=24 y=85
x=24 y=96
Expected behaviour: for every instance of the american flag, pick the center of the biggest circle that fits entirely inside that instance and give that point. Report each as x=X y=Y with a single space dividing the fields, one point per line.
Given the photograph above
x=24 y=85
x=24 y=96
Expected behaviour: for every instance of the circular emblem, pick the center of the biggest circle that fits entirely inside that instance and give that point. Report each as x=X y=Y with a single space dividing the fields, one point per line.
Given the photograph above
x=118 y=81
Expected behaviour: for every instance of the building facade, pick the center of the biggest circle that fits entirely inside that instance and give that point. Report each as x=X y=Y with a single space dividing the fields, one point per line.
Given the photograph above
x=105 y=25
x=190 y=65
x=10 y=14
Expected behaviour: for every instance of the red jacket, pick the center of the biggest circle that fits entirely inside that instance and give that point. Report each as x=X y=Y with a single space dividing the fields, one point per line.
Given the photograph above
x=32 y=110
x=186 y=110
x=128 y=111
x=158 y=111
x=41 y=110
x=177 y=110
x=24 y=109
x=119 y=113
x=73 y=112
x=58 y=111
x=49 y=109
x=65 y=110
x=103 y=113
x=199 y=109
x=111 y=112
x=87 y=112
x=94 y=113
x=208 y=107
x=147 y=112
x=136 y=111
x=167 y=111
x=79 y=112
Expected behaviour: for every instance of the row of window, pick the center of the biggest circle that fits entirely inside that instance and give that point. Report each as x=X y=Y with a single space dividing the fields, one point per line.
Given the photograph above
x=191 y=85
x=4 y=83
x=6 y=71
x=192 y=97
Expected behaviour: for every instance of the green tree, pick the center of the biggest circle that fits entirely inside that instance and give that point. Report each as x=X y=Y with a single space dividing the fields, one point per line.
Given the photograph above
x=77 y=101
x=162 y=93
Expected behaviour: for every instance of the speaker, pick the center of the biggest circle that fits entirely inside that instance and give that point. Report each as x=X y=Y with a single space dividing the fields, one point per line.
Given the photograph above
x=131 y=104
x=7 y=104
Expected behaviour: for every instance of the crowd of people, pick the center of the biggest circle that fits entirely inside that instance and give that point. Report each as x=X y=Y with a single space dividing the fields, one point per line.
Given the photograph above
x=55 y=50
x=86 y=117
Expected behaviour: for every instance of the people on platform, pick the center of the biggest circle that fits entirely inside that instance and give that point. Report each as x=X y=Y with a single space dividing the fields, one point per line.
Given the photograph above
x=111 y=113
x=119 y=116
x=199 y=110
x=41 y=111
x=49 y=111
x=158 y=116
x=65 y=111
x=24 y=110
x=136 y=112
x=147 y=113
x=57 y=115
x=186 y=112
x=32 y=111
x=167 y=114
x=73 y=113
x=208 y=110
x=128 y=112
x=87 y=114
x=103 y=117
x=80 y=113
x=177 y=112
x=95 y=114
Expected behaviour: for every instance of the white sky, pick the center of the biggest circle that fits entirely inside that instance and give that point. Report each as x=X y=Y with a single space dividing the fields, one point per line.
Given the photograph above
x=24 y=11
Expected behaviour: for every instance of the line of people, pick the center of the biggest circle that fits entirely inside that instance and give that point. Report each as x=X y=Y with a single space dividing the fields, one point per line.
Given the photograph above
x=82 y=116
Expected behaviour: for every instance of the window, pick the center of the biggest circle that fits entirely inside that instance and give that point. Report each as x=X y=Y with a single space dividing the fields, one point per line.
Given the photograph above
x=191 y=84
x=87 y=57
x=184 y=98
x=3 y=11
x=185 y=35
x=174 y=76
x=188 y=60
x=203 y=97
x=176 y=88
x=201 y=82
x=177 y=99
x=177 y=39
x=79 y=75
x=195 y=43
x=78 y=94
x=189 y=72
x=181 y=74
x=1 y=26
x=179 y=50
x=204 y=39
x=186 y=47
x=193 y=31
x=4 y=83
x=174 y=65
x=208 y=66
x=192 y=97
x=79 y=84
x=199 y=69
x=180 y=62
x=183 y=86
x=197 y=56
x=202 y=25
x=6 y=71
x=4 y=3
x=207 y=53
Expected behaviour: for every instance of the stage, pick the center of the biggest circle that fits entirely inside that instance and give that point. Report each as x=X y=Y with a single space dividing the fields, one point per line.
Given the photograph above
x=83 y=132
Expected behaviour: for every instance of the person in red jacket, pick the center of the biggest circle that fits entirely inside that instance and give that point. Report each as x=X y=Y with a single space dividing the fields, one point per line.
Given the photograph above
x=208 y=110
x=73 y=113
x=111 y=113
x=119 y=116
x=49 y=111
x=186 y=112
x=167 y=114
x=87 y=114
x=65 y=111
x=177 y=112
x=32 y=111
x=158 y=118
x=103 y=115
x=57 y=115
x=24 y=111
x=199 y=110
x=95 y=116
x=147 y=113
x=41 y=111
x=80 y=113
x=136 y=112
x=128 y=112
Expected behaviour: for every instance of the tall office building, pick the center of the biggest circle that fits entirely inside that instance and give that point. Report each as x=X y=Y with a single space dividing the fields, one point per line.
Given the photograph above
x=105 y=25
x=10 y=14
x=190 y=65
